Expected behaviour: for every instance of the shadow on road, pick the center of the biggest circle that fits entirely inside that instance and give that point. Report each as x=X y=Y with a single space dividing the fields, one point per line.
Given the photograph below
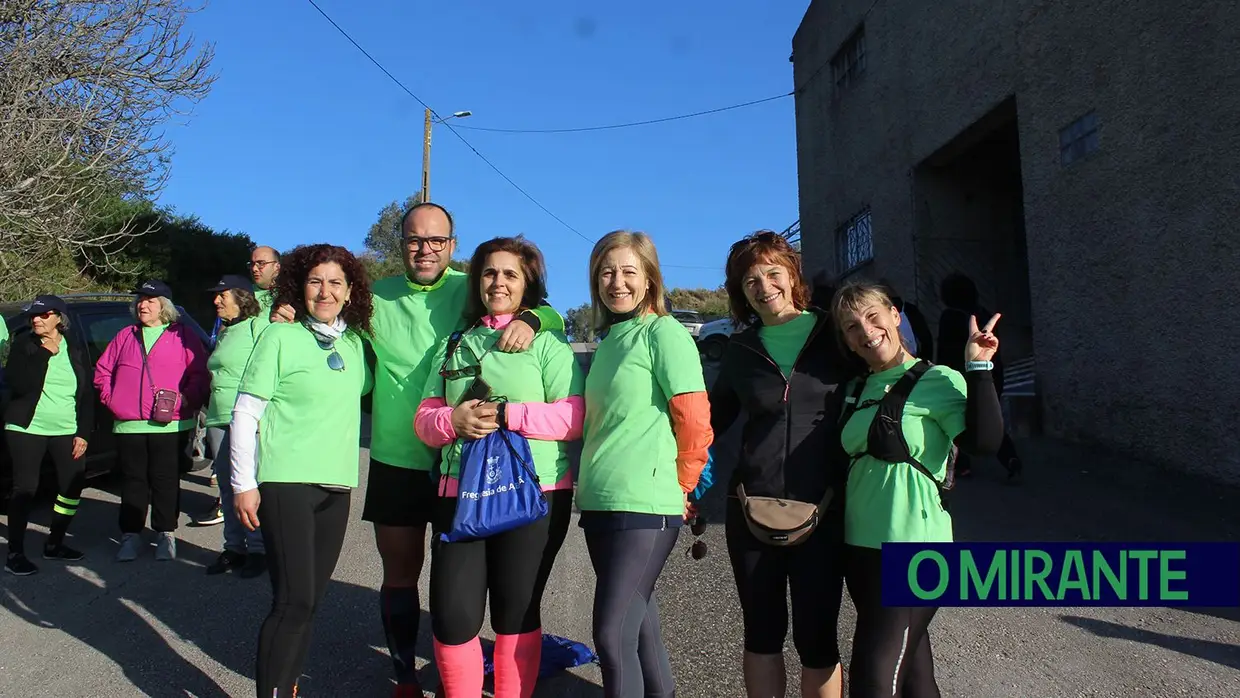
x=1217 y=652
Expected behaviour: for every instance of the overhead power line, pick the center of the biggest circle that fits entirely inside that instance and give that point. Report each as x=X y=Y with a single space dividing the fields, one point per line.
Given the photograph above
x=442 y=122
x=630 y=124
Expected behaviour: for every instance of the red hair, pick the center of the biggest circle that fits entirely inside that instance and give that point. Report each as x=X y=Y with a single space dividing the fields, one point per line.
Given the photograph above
x=762 y=247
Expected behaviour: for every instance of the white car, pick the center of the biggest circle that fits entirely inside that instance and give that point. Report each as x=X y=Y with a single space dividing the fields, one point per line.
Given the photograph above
x=691 y=319
x=712 y=338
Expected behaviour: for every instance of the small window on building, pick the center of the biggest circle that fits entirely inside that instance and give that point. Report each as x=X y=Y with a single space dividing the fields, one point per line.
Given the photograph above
x=1078 y=139
x=854 y=243
x=848 y=63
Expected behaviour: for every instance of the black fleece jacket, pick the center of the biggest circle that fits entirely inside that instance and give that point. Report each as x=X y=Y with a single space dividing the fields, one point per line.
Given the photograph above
x=790 y=445
x=26 y=371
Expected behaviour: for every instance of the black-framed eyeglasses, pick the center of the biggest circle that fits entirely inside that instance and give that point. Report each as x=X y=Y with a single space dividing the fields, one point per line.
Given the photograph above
x=260 y=263
x=699 y=549
x=435 y=244
x=466 y=372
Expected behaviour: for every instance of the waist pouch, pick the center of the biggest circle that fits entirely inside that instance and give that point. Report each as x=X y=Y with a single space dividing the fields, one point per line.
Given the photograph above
x=779 y=521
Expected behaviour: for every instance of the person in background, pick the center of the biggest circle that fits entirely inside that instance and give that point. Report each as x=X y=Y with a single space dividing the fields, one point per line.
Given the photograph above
x=153 y=378
x=50 y=411
x=238 y=312
x=300 y=397
x=783 y=371
x=647 y=433
x=890 y=502
x=540 y=393
x=918 y=338
x=264 y=268
x=413 y=313
x=961 y=301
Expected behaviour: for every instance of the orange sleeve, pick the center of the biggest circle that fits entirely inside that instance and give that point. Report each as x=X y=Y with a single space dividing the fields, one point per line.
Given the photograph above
x=691 y=423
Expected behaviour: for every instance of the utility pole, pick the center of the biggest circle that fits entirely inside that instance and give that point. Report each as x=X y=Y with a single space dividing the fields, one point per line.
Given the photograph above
x=425 y=196
x=426 y=158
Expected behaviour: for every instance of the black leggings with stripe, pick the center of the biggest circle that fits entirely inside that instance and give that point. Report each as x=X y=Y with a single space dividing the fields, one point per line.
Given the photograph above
x=27 y=452
x=303 y=530
x=891 y=649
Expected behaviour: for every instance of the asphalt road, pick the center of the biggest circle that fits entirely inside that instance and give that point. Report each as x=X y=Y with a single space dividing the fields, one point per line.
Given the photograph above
x=98 y=628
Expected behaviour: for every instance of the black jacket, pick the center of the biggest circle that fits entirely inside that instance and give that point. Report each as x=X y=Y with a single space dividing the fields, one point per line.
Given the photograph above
x=26 y=371
x=790 y=444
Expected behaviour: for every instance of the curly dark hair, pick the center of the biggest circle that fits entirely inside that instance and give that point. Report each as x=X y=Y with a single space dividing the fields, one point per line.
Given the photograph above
x=246 y=302
x=295 y=269
x=532 y=265
x=764 y=246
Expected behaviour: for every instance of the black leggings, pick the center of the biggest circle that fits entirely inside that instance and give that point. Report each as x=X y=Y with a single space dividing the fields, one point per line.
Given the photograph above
x=627 y=564
x=812 y=573
x=513 y=566
x=27 y=451
x=891 y=650
x=303 y=530
x=150 y=467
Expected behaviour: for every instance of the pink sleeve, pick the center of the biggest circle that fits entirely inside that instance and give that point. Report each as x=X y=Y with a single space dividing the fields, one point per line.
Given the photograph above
x=433 y=423
x=561 y=420
x=104 y=368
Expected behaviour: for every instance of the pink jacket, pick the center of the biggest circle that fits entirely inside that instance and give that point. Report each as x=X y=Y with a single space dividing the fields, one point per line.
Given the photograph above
x=177 y=361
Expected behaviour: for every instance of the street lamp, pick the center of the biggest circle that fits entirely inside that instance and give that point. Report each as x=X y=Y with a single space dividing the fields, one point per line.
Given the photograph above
x=426 y=148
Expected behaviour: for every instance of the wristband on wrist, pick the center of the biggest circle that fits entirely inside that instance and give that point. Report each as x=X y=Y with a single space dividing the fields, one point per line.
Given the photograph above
x=979 y=366
x=530 y=318
x=501 y=414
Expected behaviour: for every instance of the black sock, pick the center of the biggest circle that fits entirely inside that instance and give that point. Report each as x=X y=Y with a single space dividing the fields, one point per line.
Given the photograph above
x=401 y=611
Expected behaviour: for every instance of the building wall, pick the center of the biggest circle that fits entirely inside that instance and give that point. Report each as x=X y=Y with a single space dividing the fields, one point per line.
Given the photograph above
x=1132 y=252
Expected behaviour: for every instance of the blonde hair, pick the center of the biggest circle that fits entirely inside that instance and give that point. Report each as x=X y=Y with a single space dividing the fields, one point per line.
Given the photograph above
x=168 y=313
x=643 y=248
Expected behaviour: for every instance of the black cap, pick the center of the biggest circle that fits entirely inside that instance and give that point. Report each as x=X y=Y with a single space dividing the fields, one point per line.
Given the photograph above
x=42 y=304
x=153 y=288
x=231 y=281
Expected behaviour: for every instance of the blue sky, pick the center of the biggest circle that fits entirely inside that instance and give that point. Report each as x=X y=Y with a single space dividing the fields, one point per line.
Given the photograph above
x=302 y=139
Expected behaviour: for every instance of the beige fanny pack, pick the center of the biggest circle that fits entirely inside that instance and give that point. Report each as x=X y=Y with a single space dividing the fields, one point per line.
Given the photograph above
x=777 y=521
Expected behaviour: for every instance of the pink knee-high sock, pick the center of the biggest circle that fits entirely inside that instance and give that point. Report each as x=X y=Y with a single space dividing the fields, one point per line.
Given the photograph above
x=516 y=664
x=460 y=668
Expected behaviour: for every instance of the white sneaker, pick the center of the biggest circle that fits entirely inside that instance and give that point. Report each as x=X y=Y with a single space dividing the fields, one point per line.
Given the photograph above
x=165 y=546
x=131 y=545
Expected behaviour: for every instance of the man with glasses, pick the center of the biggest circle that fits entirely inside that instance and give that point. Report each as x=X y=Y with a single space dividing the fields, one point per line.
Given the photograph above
x=264 y=266
x=413 y=313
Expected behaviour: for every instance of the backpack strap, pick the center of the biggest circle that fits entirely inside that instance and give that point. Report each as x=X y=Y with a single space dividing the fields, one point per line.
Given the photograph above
x=454 y=341
x=892 y=409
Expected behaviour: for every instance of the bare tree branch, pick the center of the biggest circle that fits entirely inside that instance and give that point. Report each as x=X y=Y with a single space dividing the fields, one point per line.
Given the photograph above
x=84 y=88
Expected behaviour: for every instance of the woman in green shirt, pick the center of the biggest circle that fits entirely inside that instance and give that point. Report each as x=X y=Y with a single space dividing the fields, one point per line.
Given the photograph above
x=647 y=432
x=238 y=311
x=893 y=494
x=300 y=396
x=50 y=411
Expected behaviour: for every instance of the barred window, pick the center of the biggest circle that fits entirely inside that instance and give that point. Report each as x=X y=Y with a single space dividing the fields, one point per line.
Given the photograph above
x=854 y=243
x=848 y=63
x=1078 y=139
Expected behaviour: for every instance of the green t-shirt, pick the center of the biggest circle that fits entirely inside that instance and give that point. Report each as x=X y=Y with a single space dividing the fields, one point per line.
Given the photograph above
x=628 y=461
x=409 y=323
x=784 y=342
x=226 y=364
x=895 y=503
x=142 y=426
x=546 y=372
x=56 y=412
x=4 y=337
x=311 y=429
x=264 y=299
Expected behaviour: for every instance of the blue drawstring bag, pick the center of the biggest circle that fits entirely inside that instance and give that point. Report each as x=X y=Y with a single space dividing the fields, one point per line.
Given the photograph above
x=558 y=654
x=499 y=490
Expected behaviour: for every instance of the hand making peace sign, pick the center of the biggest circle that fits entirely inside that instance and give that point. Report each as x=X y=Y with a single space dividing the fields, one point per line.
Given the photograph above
x=982 y=343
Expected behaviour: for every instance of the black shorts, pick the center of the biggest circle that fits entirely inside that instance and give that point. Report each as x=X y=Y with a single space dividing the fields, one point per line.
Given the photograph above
x=398 y=496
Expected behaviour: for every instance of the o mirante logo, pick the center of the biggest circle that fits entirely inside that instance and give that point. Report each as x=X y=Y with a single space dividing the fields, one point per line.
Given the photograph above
x=1061 y=574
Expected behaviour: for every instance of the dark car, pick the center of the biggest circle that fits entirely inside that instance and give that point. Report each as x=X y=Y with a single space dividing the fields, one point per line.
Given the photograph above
x=94 y=320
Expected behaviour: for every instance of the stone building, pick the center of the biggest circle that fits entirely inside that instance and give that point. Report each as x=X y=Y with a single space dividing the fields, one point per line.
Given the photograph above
x=1080 y=160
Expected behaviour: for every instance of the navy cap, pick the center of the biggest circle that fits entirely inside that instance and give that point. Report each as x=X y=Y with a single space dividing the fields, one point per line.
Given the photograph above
x=231 y=281
x=42 y=304
x=152 y=288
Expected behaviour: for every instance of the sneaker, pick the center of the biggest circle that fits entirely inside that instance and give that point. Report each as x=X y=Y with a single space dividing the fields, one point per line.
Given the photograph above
x=165 y=546
x=214 y=516
x=255 y=566
x=17 y=564
x=131 y=545
x=227 y=561
x=61 y=551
